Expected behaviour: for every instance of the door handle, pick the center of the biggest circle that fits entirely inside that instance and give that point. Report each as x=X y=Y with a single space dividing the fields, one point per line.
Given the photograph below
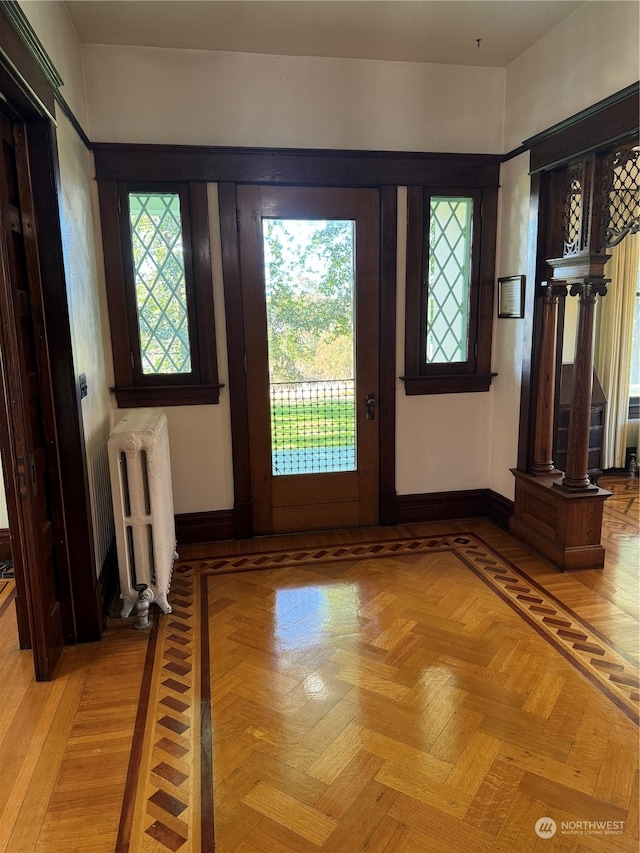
x=33 y=475
x=370 y=403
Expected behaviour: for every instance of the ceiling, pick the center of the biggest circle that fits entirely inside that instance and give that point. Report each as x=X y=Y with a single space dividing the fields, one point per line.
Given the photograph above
x=438 y=31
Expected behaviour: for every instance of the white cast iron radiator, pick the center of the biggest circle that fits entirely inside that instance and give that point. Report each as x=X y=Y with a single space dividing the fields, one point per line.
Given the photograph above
x=140 y=471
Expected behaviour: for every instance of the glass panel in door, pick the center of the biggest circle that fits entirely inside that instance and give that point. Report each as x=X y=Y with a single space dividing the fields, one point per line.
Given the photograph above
x=310 y=298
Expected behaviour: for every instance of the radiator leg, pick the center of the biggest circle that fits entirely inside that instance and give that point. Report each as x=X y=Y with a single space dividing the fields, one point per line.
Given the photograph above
x=162 y=602
x=128 y=603
x=142 y=608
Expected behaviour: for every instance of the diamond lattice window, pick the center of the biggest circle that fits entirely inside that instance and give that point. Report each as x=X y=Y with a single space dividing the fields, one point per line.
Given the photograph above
x=160 y=283
x=449 y=279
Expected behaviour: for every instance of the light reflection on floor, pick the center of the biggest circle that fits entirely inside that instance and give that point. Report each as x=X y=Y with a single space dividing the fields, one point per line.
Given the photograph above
x=306 y=616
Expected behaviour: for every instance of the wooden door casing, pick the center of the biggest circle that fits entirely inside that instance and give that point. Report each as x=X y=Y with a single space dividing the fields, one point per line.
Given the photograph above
x=29 y=439
x=311 y=501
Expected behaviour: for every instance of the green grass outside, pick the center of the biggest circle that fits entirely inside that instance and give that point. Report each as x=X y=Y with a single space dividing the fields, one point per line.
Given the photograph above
x=313 y=424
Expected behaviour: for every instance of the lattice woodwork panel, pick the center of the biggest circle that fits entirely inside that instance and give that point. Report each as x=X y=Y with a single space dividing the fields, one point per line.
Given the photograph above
x=572 y=210
x=621 y=195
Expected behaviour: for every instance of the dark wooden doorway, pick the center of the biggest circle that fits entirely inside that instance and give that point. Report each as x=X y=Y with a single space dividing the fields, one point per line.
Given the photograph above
x=336 y=496
x=28 y=437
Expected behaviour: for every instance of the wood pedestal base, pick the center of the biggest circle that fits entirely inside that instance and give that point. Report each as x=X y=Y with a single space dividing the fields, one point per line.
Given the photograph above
x=565 y=527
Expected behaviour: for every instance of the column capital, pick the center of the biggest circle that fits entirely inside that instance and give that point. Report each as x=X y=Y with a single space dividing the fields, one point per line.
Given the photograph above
x=590 y=287
x=551 y=291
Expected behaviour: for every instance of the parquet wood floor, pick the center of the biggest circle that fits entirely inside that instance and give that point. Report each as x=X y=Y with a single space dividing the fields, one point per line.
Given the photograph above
x=431 y=688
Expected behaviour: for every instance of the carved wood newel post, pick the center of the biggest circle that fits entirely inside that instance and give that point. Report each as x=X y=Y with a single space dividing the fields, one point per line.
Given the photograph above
x=576 y=476
x=545 y=396
x=594 y=203
x=582 y=266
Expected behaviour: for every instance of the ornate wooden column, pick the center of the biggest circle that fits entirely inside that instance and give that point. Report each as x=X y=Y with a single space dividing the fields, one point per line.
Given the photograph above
x=576 y=476
x=542 y=463
x=561 y=517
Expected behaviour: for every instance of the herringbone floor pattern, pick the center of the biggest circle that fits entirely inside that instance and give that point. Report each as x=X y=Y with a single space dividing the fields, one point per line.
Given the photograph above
x=351 y=713
x=433 y=688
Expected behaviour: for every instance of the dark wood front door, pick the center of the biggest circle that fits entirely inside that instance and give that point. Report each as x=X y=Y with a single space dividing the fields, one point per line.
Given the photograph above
x=310 y=292
x=28 y=433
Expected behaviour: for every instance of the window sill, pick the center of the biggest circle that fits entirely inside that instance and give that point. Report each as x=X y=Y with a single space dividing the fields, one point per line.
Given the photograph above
x=461 y=383
x=167 y=395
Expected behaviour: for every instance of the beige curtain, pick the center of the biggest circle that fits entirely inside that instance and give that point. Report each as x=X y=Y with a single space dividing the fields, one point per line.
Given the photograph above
x=613 y=346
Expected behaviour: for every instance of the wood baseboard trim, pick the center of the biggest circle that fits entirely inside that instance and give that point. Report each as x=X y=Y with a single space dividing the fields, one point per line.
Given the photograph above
x=195 y=528
x=5 y=544
x=499 y=509
x=440 y=506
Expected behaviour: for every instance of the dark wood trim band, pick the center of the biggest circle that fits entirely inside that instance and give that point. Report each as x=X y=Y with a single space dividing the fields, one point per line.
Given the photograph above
x=5 y=544
x=611 y=120
x=515 y=152
x=442 y=506
x=454 y=384
x=387 y=387
x=73 y=121
x=116 y=162
x=21 y=47
x=232 y=281
x=167 y=395
x=23 y=82
x=21 y=25
x=600 y=106
x=195 y=528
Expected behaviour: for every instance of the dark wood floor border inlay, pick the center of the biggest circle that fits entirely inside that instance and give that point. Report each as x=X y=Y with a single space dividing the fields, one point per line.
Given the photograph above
x=207 y=829
x=575 y=617
x=7 y=593
x=163 y=799
x=133 y=772
x=626 y=697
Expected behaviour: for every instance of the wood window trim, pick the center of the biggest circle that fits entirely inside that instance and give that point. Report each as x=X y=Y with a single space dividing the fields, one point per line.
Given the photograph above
x=132 y=388
x=475 y=374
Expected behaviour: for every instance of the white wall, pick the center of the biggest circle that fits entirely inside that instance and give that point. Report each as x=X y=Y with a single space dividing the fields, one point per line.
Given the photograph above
x=84 y=269
x=87 y=315
x=508 y=335
x=586 y=58
x=196 y=97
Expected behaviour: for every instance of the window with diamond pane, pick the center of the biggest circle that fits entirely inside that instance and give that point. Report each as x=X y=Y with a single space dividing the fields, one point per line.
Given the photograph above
x=160 y=282
x=449 y=280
